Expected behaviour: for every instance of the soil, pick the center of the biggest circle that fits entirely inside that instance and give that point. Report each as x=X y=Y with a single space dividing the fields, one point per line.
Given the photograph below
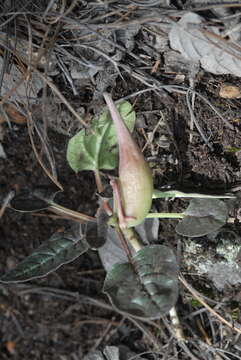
x=45 y=318
x=53 y=317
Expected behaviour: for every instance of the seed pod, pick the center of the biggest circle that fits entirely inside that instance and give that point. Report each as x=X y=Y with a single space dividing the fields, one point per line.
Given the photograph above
x=135 y=177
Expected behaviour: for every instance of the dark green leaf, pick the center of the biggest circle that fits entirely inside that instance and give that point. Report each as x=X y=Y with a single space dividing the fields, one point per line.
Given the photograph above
x=203 y=216
x=148 y=288
x=60 y=249
x=34 y=200
x=97 y=150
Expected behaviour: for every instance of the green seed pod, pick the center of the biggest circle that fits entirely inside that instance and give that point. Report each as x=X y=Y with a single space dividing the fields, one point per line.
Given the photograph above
x=135 y=177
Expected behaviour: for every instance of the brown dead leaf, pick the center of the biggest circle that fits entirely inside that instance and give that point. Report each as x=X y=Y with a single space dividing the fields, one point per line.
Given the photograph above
x=156 y=66
x=229 y=92
x=13 y=114
x=10 y=346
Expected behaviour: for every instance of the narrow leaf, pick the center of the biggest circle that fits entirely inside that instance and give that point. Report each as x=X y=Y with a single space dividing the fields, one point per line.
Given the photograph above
x=148 y=288
x=157 y=194
x=60 y=249
x=203 y=216
x=97 y=150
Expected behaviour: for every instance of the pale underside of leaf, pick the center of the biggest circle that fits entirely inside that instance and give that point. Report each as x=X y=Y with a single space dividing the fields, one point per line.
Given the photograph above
x=203 y=216
x=112 y=252
x=148 y=288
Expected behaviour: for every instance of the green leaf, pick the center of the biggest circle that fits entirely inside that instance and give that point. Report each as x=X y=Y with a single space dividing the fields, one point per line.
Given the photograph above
x=96 y=150
x=231 y=149
x=60 y=249
x=203 y=216
x=148 y=288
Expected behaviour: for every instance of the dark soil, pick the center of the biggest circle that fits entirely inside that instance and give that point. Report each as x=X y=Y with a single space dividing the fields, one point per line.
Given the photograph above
x=53 y=317
x=46 y=318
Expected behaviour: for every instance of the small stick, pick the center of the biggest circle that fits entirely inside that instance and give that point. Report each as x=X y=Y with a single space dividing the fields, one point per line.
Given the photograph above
x=71 y=213
x=6 y=201
x=176 y=325
x=133 y=239
x=166 y=215
x=211 y=310
x=98 y=181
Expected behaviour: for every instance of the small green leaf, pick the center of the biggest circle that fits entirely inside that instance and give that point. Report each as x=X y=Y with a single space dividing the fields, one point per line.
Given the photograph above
x=203 y=216
x=231 y=149
x=195 y=303
x=97 y=149
x=60 y=249
x=148 y=288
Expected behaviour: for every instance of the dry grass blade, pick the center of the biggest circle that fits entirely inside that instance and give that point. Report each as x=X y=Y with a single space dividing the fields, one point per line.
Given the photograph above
x=181 y=342
x=23 y=289
x=71 y=214
x=63 y=12
x=195 y=121
x=147 y=3
x=6 y=201
x=38 y=157
x=63 y=99
x=217 y=5
x=209 y=308
x=178 y=330
x=12 y=12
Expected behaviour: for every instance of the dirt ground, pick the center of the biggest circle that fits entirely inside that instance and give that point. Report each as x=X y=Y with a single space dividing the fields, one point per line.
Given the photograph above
x=65 y=315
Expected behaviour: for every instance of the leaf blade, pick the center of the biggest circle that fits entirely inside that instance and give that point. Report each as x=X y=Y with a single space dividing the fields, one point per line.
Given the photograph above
x=60 y=249
x=153 y=291
x=97 y=150
x=203 y=216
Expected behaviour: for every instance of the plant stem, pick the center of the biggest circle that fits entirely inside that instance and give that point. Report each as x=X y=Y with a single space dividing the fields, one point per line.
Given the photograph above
x=166 y=215
x=71 y=213
x=6 y=201
x=157 y=194
x=98 y=181
x=132 y=237
x=124 y=243
x=176 y=324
